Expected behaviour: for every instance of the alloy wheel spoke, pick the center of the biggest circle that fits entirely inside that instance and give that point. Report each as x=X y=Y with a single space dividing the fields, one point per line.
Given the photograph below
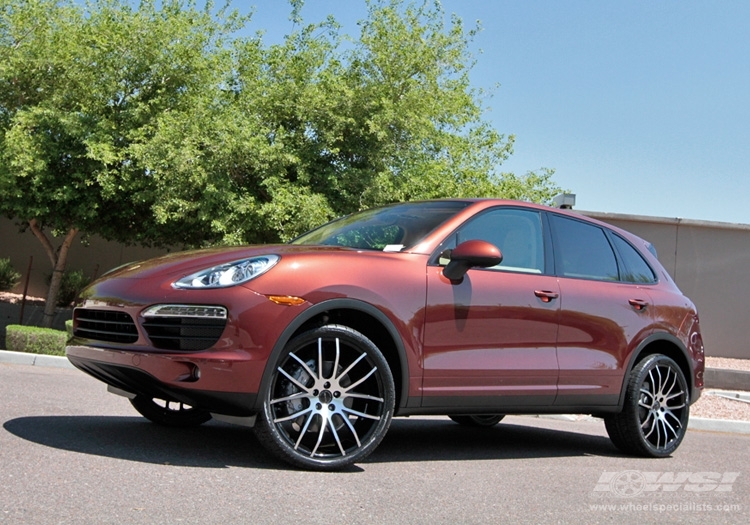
x=293 y=380
x=293 y=416
x=672 y=386
x=304 y=365
x=649 y=418
x=648 y=393
x=320 y=358
x=348 y=368
x=336 y=360
x=304 y=429
x=672 y=415
x=352 y=430
x=362 y=380
x=360 y=414
x=364 y=396
x=336 y=436
x=297 y=395
x=320 y=439
x=672 y=396
x=669 y=430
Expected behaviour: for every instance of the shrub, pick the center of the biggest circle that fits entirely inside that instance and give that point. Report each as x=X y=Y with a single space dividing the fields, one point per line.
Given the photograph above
x=72 y=284
x=35 y=340
x=9 y=277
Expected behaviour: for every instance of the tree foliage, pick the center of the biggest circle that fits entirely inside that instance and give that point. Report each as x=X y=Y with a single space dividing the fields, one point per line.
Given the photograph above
x=164 y=123
x=324 y=124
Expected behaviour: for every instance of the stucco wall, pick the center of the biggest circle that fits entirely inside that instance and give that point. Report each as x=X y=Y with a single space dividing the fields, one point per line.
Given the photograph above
x=95 y=258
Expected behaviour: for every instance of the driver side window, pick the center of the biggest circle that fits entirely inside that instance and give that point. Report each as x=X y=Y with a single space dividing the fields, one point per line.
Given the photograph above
x=517 y=233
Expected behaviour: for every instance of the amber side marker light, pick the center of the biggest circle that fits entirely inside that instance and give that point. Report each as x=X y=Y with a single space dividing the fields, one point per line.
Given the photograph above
x=286 y=300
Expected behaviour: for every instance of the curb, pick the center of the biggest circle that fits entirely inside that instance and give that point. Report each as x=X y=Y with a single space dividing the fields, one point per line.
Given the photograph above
x=704 y=424
x=719 y=425
x=23 y=358
x=727 y=379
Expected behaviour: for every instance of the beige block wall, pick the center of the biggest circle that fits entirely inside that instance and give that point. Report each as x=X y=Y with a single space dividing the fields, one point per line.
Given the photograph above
x=94 y=259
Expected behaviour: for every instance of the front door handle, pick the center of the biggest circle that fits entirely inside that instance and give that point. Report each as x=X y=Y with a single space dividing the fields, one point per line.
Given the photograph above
x=638 y=304
x=546 y=296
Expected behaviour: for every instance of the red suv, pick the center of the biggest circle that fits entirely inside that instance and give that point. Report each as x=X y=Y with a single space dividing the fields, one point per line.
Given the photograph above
x=467 y=308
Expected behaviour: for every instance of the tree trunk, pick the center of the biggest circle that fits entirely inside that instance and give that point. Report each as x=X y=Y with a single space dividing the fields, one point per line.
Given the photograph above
x=59 y=259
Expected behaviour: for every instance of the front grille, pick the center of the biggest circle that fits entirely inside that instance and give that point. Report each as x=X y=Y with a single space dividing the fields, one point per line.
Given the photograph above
x=184 y=333
x=105 y=325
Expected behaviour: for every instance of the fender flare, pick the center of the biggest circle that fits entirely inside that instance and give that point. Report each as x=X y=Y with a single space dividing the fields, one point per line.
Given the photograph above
x=319 y=308
x=634 y=358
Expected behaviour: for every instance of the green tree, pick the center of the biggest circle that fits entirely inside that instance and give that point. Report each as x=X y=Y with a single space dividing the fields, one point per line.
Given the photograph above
x=324 y=124
x=81 y=86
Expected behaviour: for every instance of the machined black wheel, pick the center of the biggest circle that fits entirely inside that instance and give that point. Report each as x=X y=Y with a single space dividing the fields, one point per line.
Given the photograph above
x=329 y=402
x=654 y=418
x=169 y=413
x=478 y=420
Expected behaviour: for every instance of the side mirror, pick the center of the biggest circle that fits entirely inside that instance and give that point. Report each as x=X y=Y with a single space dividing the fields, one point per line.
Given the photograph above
x=471 y=254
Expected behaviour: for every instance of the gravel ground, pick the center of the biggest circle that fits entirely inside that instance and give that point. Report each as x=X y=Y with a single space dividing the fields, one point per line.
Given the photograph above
x=712 y=406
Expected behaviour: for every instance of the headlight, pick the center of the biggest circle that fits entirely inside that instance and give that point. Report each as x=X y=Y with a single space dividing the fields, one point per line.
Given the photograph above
x=229 y=274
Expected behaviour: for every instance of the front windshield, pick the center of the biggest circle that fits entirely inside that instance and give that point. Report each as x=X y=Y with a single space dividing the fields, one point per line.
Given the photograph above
x=390 y=228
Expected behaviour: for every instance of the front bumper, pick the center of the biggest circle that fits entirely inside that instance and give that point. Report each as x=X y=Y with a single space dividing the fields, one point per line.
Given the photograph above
x=214 y=384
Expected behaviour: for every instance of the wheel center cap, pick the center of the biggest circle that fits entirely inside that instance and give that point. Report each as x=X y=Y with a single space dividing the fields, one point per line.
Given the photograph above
x=325 y=397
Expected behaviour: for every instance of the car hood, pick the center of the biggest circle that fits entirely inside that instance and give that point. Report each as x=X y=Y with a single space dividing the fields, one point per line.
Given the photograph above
x=178 y=264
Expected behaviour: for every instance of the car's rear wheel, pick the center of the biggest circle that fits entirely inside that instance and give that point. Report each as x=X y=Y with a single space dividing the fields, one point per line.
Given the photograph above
x=169 y=413
x=478 y=420
x=654 y=418
x=329 y=402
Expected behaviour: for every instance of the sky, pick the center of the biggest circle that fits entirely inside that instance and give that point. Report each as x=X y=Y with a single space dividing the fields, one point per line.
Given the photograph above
x=640 y=107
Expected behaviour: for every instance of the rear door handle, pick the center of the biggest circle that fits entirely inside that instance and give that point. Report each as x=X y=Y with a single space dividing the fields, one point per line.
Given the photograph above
x=638 y=304
x=546 y=296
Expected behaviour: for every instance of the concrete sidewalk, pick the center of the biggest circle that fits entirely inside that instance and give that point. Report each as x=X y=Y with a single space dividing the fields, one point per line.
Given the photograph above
x=713 y=425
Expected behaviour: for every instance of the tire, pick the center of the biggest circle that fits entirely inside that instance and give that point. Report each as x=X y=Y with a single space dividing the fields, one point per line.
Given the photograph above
x=478 y=420
x=169 y=413
x=329 y=402
x=655 y=415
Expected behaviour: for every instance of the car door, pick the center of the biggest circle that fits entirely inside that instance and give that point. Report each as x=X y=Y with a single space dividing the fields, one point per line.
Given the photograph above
x=605 y=311
x=489 y=340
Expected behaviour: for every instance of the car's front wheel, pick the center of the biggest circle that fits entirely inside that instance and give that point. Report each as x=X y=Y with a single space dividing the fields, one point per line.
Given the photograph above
x=654 y=418
x=329 y=402
x=169 y=413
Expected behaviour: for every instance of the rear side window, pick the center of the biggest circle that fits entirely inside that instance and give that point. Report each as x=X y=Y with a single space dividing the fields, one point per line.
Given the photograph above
x=636 y=269
x=583 y=251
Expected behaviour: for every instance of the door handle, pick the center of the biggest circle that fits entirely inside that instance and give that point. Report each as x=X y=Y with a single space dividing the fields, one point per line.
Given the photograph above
x=546 y=296
x=638 y=304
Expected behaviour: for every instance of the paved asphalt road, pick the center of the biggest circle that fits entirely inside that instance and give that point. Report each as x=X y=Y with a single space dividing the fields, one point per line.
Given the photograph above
x=71 y=453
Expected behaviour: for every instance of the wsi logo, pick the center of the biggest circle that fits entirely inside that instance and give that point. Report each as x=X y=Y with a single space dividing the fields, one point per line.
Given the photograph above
x=631 y=483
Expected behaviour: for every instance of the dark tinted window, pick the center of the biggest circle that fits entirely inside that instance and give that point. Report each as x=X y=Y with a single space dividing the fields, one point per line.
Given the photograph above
x=636 y=268
x=582 y=250
x=518 y=234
